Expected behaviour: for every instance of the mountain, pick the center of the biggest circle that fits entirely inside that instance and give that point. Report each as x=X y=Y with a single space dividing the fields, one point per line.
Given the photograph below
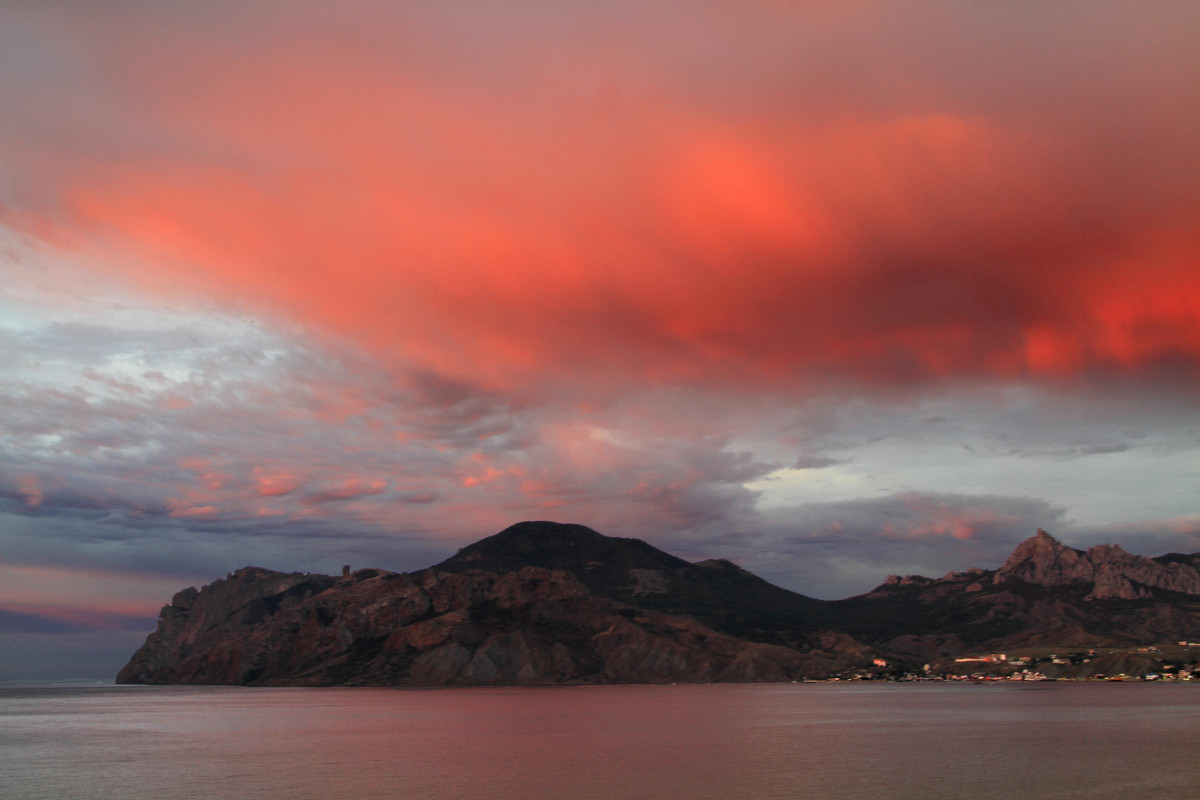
x=528 y=626
x=545 y=602
x=715 y=592
x=1045 y=594
x=1109 y=571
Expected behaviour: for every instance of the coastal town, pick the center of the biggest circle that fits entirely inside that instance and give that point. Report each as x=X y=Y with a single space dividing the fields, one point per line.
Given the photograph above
x=1175 y=662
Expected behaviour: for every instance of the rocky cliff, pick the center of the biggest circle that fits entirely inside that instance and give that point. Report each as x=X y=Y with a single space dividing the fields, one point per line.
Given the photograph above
x=1107 y=570
x=1045 y=595
x=548 y=603
x=529 y=626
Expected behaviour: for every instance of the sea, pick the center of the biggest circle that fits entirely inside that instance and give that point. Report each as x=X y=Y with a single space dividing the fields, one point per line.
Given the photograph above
x=814 y=741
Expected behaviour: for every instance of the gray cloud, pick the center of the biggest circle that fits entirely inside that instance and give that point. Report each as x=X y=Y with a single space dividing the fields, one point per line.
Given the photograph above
x=836 y=549
x=221 y=443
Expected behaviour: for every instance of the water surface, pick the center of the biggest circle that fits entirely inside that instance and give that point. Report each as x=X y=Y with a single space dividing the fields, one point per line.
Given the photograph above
x=816 y=741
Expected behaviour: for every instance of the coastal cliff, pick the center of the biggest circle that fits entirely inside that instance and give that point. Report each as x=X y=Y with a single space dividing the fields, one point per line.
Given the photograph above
x=529 y=626
x=548 y=603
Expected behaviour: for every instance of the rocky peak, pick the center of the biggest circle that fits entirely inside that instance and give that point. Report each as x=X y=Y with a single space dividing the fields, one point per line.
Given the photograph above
x=1110 y=571
x=1043 y=560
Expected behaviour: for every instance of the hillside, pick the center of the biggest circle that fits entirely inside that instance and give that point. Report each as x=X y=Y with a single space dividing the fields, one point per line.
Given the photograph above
x=545 y=602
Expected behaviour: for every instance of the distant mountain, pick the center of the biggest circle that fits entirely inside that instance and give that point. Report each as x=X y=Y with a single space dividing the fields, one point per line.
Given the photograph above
x=1045 y=594
x=1108 y=571
x=545 y=602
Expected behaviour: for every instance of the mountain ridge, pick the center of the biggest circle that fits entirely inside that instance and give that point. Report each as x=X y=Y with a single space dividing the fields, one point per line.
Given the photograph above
x=1111 y=571
x=548 y=602
x=715 y=591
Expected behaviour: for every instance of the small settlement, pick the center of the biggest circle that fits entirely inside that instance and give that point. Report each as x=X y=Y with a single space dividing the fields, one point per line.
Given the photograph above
x=1177 y=662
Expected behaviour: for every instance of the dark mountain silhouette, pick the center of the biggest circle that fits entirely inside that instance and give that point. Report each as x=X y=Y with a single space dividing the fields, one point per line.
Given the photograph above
x=545 y=602
x=715 y=592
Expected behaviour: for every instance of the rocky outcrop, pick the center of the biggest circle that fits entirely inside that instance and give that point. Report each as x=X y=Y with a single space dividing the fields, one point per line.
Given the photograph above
x=906 y=580
x=530 y=626
x=1045 y=595
x=1109 y=571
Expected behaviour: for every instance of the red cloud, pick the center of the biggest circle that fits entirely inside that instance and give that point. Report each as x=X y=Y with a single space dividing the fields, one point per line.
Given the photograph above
x=350 y=489
x=934 y=516
x=494 y=229
x=271 y=483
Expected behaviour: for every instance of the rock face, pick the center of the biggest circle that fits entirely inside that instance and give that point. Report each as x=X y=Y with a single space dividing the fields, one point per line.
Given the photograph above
x=546 y=603
x=1045 y=594
x=1111 y=572
x=530 y=626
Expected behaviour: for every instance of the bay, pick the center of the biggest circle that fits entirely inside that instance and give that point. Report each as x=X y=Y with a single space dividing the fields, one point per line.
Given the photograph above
x=816 y=741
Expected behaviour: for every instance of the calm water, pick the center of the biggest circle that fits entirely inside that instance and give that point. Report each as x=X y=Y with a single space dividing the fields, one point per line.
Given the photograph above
x=811 y=741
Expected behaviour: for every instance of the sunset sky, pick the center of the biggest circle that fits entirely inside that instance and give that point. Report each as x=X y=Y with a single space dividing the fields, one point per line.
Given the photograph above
x=831 y=289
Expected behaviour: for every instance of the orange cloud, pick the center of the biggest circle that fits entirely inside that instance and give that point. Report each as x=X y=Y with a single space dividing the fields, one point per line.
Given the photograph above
x=275 y=483
x=932 y=516
x=516 y=228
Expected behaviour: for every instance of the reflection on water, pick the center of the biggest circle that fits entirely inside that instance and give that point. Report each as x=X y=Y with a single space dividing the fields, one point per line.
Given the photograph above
x=762 y=741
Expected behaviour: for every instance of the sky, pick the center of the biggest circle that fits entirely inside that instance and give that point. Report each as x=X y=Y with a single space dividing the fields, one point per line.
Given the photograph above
x=833 y=290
